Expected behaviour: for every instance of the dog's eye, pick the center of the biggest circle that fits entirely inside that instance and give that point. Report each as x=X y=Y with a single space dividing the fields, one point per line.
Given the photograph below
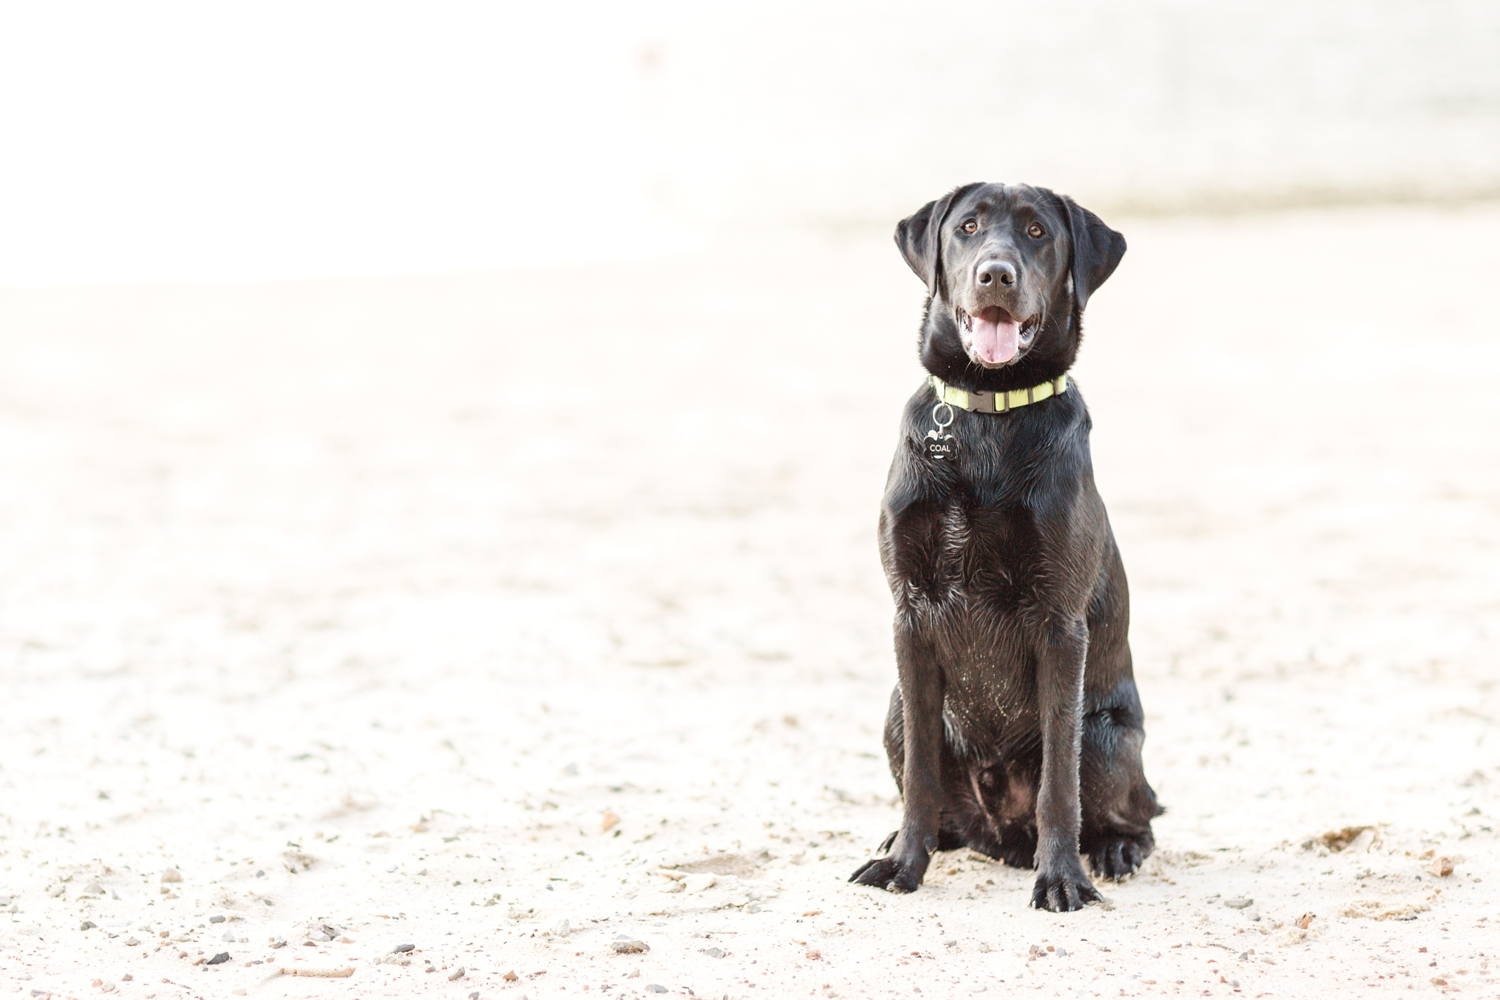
x=970 y=225
x=1035 y=231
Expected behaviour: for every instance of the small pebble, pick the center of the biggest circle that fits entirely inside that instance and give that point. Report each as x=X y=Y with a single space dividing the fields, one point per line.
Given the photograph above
x=87 y=925
x=107 y=988
x=229 y=936
x=1442 y=867
x=400 y=948
x=626 y=945
x=217 y=918
x=656 y=988
x=218 y=959
x=474 y=995
x=171 y=875
x=131 y=942
x=1238 y=902
x=510 y=976
x=457 y=973
x=714 y=952
x=127 y=977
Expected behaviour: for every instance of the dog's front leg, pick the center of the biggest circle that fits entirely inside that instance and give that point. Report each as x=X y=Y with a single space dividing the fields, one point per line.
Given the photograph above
x=921 y=681
x=1061 y=883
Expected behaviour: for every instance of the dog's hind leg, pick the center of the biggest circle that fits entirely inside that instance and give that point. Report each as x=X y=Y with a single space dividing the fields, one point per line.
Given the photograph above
x=1118 y=804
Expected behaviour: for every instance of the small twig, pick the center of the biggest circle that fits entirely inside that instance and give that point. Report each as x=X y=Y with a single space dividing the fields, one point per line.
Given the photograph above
x=344 y=973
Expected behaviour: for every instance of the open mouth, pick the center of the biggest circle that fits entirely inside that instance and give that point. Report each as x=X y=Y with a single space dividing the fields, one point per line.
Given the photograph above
x=993 y=337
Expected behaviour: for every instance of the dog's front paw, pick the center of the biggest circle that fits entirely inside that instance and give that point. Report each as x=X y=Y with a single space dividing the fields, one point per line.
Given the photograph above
x=1119 y=856
x=1063 y=892
x=888 y=873
x=896 y=872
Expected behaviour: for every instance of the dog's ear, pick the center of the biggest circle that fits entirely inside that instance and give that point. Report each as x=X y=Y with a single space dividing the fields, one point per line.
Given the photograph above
x=918 y=236
x=1097 y=250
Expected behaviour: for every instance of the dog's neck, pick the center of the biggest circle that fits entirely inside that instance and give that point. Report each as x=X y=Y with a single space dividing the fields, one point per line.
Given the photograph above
x=1051 y=354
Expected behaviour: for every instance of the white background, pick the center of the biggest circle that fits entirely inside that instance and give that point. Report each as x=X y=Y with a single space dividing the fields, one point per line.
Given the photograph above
x=241 y=141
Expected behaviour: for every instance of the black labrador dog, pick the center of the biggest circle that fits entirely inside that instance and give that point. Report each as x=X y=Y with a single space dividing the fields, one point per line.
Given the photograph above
x=1015 y=728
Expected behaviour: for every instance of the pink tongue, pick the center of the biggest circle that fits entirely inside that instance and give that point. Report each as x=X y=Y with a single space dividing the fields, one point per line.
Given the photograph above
x=995 y=343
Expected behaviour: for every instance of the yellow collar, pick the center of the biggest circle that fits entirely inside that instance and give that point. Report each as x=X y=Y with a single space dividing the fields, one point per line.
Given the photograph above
x=997 y=402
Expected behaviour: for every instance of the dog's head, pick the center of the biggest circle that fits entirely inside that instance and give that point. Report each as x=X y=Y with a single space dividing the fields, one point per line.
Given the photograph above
x=1009 y=269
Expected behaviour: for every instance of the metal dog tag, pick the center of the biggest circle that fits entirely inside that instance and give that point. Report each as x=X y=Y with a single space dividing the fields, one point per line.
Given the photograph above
x=941 y=446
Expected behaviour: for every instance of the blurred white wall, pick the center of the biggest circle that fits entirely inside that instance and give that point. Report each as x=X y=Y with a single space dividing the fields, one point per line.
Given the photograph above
x=240 y=141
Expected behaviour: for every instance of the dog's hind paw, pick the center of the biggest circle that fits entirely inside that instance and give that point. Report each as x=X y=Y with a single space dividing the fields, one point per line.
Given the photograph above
x=1064 y=893
x=1119 y=856
x=889 y=874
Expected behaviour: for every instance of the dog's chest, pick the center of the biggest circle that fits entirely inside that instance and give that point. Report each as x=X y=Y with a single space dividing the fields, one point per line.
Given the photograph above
x=982 y=558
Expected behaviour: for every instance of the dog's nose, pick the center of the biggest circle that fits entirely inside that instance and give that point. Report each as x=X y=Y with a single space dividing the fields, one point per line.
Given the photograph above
x=992 y=271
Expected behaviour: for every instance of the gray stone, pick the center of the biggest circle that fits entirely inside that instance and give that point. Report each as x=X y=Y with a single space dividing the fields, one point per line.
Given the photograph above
x=624 y=944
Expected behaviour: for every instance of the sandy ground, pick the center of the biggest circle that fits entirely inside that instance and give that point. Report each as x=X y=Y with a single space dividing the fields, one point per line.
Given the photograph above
x=503 y=615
